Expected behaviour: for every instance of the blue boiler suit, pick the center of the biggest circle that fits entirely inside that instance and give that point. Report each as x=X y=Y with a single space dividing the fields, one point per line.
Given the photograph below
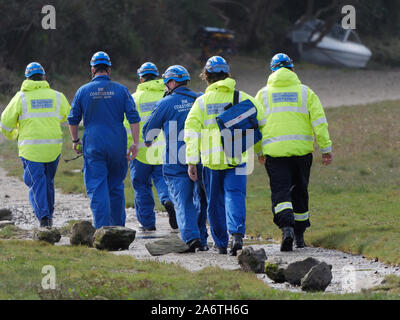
x=188 y=197
x=102 y=104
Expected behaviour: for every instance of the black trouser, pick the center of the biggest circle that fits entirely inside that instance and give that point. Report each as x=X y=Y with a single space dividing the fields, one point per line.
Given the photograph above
x=289 y=179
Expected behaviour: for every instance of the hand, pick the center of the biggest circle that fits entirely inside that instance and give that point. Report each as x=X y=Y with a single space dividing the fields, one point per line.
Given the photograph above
x=77 y=147
x=132 y=152
x=192 y=172
x=327 y=159
x=262 y=159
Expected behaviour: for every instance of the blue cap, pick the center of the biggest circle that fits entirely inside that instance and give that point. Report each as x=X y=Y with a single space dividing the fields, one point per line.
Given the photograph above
x=100 y=58
x=217 y=64
x=281 y=60
x=147 y=68
x=177 y=73
x=33 y=68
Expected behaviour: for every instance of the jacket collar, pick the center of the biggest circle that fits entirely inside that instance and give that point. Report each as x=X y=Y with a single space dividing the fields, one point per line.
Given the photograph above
x=283 y=78
x=226 y=85
x=30 y=85
x=101 y=78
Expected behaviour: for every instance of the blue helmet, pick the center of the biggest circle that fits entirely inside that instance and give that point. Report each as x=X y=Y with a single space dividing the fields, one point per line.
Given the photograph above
x=217 y=64
x=281 y=60
x=147 y=68
x=34 y=68
x=100 y=58
x=177 y=73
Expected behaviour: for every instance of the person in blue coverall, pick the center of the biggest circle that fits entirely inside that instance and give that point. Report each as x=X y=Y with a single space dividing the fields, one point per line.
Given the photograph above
x=188 y=197
x=102 y=104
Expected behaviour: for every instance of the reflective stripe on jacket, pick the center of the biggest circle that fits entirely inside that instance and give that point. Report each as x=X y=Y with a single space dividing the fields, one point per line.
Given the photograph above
x=294 y=114
x=202 y=135
x=34 y=116
x=146 y=96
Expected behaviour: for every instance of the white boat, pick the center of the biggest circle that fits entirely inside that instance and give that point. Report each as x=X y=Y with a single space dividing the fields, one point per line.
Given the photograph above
x=339 y=47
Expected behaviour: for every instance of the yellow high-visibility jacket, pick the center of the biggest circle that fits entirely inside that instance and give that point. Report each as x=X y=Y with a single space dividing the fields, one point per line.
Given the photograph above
x=33 y=116
x=294 y=114
x=202 y=135
x=146 y=96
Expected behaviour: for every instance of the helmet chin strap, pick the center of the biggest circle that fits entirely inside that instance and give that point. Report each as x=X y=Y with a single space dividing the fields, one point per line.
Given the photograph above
x=168 y=92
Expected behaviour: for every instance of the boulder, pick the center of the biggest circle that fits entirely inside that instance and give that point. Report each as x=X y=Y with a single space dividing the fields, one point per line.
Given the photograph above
x=5 y=223
x=297 y=270
x=113 y=238
x=275 y=272
x=318 y=278
x=5 y=214
x=252 y=260
x=82 y=233
x=170 y=244
x=50 y=235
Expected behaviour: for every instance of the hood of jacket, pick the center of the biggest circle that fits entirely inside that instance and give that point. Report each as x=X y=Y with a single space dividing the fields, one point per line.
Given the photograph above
x=226 y=85
x=152 y=85
x=30 y=85
x=283 y=78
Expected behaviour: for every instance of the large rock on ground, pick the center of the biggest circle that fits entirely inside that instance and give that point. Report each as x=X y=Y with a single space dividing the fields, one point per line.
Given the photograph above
x=4 y=223
x=5 y=214
x=170 y=244
x=297 y=270
x=252 y=260
x=275 y=272
x=82 y=233
x=113 y=238
x=50 y=235
x=318 y=278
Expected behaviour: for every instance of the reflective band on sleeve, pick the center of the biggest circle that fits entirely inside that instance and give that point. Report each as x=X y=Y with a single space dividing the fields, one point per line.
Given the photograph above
x=193 y=159
x=210 y=122
x=304 y=95
x=287 y=109
x=327 y=150
x=200 y=101
x=39 y=141
x=301 y=216
x=262 y=122
x=287 y=138
x=212 y=150
x=144 y=118
x=241 y=117
x=23 y=103
x=319 y=121
x=265 y=99
x=191 y=134
x=283 y=206
x=5 y=128
x=128 y=131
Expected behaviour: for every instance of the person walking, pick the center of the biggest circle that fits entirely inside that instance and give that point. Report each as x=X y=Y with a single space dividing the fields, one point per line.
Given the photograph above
x=147 y=166
x=102 y=104
x=294 y=115
x=33 y=118
x=225 y=184
x=188 y=197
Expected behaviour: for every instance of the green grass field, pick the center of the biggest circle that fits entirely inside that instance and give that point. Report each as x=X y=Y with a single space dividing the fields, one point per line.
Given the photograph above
x=354 y=205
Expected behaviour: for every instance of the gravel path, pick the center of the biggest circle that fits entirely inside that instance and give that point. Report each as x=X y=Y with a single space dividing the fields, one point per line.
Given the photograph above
x=351 y=273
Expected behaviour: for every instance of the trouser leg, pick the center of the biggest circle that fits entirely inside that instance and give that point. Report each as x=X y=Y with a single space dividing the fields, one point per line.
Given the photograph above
x=50 y=171
x=280 y=177
x=117 y=173
x=300 y=178
x=160 y=184
x=201 y=202
x=214 y=185
x=144 y=199
x=35 y=179
x=235 y=201
x=181 y=191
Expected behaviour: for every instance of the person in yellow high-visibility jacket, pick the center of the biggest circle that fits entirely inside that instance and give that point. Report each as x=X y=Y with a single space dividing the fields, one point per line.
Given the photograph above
x=147 y=166
x=225 y=184
x=294 y=115
x=33 y=118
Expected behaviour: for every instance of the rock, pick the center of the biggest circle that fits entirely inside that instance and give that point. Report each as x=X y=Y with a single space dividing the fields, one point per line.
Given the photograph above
x=6 y=223
x=82 y=233
x=170 y=244
x=50 y=235
x=113 y=238
x=252 y=260
x=318 y=278
x=275 y=272
x=5 y=214
x=297 y=270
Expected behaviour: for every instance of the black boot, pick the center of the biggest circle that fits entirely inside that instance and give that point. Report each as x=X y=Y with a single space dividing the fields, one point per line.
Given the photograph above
x=299 y=238
x=237 y=243
x=220 y=250
x=45 y=222
x=169 y=207
x=287 y=239
x=193 y=245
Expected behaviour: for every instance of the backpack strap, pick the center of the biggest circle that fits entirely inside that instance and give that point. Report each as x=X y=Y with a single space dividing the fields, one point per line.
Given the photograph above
x=236 y=97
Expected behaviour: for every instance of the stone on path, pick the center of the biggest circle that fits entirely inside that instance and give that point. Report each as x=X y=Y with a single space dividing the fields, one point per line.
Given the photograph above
x=297 y=270
x=252 y=260
x=318 y=278
x=82 y=233
x=113 y=238
x=50 y=235
x=170 y=244
x=275 y=271
x=5 y=214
